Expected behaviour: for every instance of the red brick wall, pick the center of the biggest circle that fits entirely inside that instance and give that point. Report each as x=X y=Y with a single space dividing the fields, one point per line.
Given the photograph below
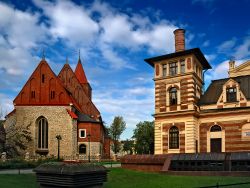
x=42 y=89
x=94 y=129
x=69 y=80
x=106 y=148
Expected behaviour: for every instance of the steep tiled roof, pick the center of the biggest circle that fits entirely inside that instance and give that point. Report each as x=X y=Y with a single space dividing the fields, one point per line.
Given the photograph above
x=214 y=90
x=72 y=114
x=85 y=118
x=80 y=74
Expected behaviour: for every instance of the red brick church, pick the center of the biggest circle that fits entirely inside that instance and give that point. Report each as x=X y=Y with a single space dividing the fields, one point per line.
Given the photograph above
x=60 y=105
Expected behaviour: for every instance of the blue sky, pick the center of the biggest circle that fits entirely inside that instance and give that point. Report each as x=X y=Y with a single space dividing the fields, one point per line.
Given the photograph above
x=114 y=38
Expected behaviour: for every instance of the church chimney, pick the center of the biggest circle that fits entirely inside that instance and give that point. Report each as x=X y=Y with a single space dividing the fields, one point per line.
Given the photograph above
x=179 y=35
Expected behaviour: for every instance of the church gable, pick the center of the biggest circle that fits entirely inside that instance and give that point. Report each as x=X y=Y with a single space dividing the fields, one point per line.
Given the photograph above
x=42 y=88
x=71 y=83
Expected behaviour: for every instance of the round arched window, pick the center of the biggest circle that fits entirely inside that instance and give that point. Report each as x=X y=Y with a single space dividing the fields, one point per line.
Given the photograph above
x=173 y=96
x=215 y=128
x=173 y=138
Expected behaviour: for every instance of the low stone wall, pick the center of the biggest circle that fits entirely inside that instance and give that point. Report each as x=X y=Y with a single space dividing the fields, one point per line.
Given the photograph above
x=208 y=173
x=148 y=163
x=224 y=164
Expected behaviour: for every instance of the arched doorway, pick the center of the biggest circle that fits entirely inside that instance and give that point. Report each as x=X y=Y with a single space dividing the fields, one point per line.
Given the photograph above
x=215 y=139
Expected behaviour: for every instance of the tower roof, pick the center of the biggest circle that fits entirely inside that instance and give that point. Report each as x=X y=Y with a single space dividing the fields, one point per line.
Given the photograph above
x=80 y=74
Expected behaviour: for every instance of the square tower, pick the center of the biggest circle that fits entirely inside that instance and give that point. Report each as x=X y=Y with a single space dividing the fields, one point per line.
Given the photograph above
x=178 y=81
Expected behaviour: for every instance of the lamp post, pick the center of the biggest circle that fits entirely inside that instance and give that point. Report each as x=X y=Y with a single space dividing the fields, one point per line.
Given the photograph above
x=89 y=145
x=58 y=137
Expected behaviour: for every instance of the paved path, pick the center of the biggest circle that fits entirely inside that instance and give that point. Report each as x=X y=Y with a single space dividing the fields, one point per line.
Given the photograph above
x=30 y=171
x=15 y=171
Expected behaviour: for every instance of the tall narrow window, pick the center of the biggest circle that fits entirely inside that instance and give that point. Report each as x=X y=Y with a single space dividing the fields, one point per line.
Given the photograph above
x=43 y=78
x=183 y=66
x=173 y=138
x=173 y=68
x=33 y=94
x=42 y=134
x=164 y=70
x=52 y=94
x=173 y=96
x=231 y=95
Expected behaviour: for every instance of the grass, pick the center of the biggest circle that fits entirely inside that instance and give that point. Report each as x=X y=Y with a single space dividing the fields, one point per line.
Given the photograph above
x=22 y=180
x=124 y=178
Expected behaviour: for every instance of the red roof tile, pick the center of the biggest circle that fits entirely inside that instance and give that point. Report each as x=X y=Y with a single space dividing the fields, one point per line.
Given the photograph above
x=80 y=74
x=72 y=114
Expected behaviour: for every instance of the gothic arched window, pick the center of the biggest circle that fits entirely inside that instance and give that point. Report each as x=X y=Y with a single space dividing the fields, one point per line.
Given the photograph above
x=42 y=133
x=173 y=138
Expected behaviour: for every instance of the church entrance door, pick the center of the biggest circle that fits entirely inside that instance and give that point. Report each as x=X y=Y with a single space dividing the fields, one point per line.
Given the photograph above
x=215 y=145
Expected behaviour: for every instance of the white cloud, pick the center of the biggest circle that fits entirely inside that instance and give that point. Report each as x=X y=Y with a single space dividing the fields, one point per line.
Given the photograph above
x=69 y=21
x=131 y=103
x=6 y=105
x=109 y=29
x=227 y=45
x=220 y=71
x=243 y=51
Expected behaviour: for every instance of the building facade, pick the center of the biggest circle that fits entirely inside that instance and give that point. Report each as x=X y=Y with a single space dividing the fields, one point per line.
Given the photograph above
x=54 y=105
x=188 y=120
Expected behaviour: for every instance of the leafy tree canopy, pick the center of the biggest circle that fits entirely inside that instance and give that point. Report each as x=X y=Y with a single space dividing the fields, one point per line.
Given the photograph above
x=116 y=129
x=144 y=136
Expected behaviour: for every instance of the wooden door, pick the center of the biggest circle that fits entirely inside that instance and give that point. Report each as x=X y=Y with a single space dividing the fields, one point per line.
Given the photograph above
x=215 y=145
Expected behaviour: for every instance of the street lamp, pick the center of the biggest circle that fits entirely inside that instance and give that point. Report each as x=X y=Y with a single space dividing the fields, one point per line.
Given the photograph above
x=58 y=137
x=89 y=145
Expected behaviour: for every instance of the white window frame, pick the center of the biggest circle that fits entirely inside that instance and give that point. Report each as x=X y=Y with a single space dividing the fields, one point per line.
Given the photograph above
x=80 y=133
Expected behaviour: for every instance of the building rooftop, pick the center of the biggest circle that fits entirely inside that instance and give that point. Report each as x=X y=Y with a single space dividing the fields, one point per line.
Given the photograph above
x=214 y=90
x=196 y=51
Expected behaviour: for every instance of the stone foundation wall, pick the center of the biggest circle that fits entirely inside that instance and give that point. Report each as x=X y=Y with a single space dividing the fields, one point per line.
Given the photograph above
x=59 y=123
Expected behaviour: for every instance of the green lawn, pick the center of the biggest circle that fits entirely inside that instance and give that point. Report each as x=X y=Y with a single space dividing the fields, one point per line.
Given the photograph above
x=122 y=178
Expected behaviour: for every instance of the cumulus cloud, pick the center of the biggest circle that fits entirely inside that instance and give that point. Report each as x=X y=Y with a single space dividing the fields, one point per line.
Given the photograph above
x=6 y=105
x=107 y=29
x=227 y=46
x=19 y=32
x=243 y=50
x=131 y=103
x=69 y=21
x=107 y=37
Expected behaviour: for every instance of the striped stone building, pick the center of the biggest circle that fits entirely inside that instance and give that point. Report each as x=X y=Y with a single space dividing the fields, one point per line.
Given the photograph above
x=188 y=120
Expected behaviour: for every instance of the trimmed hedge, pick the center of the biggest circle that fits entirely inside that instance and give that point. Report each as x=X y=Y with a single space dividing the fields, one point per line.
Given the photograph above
x=22 y=164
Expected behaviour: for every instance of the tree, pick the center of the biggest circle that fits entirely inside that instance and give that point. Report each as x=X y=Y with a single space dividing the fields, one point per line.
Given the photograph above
x=128 y=146
x=115 y=131
x=16 y=138
x=144 y=136
x=2 y=137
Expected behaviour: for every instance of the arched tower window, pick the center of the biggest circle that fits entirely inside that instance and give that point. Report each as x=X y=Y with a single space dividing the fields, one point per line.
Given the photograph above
x=173 y=96
x=82 y=149
x=215 y=128
x=173 y=138
x=42 y=133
